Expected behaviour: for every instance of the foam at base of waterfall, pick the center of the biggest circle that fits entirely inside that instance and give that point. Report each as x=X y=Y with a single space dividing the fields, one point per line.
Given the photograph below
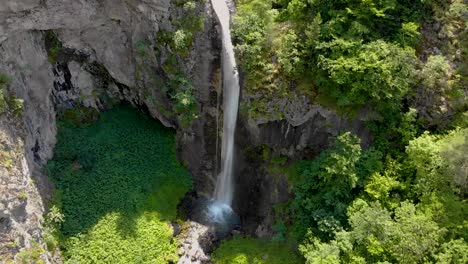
x=221 y=216
x=218 y=212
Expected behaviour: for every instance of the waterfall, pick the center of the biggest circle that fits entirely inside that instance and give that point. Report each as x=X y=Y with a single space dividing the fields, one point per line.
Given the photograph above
x=224 y=185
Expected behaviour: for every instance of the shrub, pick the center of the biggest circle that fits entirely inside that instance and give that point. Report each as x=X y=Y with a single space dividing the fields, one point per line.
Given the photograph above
x=376 y=72
x=322 y=195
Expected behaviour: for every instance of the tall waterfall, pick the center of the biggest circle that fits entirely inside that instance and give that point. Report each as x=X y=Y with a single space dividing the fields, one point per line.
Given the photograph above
x=224 y=186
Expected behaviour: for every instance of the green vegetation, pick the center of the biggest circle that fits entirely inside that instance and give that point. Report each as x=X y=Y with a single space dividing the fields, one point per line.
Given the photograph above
x=31 y=254
x=8 y=102
x=53 y=46
x=118 y=184
x=411 y=209
x=241 y=250
x=346 y=54
x=327 y=184
x=403 y=199
x=177 y=43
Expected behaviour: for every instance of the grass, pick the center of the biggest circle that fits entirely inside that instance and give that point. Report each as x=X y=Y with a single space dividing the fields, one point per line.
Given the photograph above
x=241 y=250
x=118 y=184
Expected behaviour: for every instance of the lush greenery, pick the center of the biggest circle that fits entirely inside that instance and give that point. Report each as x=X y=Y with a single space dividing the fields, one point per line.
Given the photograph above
x=326 y=185
x=118 y=183
x=254 y=251
x=345 y=54
x=404 y=198
x=410 y=211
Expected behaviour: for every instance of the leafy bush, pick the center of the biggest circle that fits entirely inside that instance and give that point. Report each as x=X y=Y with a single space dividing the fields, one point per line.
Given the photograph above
x=327 y=185
x=185 y=106
x=436 y=73
x=377 y=72
x=182 y=40
x=118 y=182
x=376 y=236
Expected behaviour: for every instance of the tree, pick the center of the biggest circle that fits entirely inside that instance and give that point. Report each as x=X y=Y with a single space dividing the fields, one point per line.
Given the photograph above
x=453 y=252
x=377 y=235
x=325 y=190
x=441 y=178
x=361 y=73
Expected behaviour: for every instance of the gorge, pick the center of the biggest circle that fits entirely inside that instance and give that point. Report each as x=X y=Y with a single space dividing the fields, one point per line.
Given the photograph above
x=321 y=131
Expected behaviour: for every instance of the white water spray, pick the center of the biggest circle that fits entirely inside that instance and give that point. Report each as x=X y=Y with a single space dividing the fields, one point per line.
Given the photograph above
x=224 y=185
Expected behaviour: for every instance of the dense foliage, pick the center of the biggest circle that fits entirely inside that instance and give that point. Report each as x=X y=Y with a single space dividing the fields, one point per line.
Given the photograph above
x=404 y=198
x=345 y=54
x=118 y=183
x=253 y=251
x=327 y=184
x=413 y=210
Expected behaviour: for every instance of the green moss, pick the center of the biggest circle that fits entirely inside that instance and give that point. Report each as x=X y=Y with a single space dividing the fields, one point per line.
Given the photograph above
x=119 y=182
x=241 y=250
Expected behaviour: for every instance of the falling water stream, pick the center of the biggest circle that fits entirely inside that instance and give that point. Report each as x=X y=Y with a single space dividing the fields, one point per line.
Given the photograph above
x=217 y=212
x=220 y=209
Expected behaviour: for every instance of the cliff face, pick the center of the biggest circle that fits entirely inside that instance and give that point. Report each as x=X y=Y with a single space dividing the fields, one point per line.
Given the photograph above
x=92 y=53
x=60 y=54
